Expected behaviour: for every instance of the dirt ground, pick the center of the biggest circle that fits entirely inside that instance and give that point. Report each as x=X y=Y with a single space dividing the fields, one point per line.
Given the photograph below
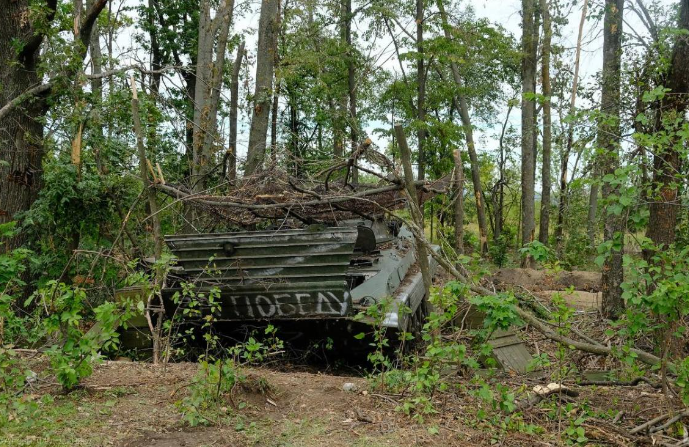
x=540 y=280
x=133 y=404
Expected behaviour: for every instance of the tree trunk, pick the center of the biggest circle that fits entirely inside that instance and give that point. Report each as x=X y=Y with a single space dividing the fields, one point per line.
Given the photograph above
x=608 y=161
x=156 y=56
x=544 y=223
x=274 y=126
x=234 y=101
x=338 y=128
x=212 y=45
x=591 y=223
x=351 y=82
x=265 y=68
x=459 y=203
x=667 y=174
x=500 y=207
x=421 y=90
x=415 y=207
x=294 y=133
x=564 y=162
x=528 y=167
x=462 y=106
x=21 y=139
x=97 y=92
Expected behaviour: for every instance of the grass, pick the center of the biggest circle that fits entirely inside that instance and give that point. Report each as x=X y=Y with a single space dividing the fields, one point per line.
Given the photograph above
x=59 y=421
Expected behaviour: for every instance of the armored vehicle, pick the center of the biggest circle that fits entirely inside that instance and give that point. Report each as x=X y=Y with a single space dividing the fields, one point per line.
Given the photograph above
x=311 y=273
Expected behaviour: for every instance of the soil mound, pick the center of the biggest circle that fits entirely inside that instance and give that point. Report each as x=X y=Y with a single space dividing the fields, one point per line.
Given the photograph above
x=540 y=280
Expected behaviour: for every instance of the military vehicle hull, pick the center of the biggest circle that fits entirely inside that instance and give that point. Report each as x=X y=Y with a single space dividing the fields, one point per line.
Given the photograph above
x=318 y=272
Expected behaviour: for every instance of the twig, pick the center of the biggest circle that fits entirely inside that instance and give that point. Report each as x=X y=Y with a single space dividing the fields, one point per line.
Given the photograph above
x=634 y=382
x=650 y=423
x=670 y=422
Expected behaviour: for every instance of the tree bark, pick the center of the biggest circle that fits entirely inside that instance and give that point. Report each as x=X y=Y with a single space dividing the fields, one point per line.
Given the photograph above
x=667 y=175
x=23 y=102
x=528 y=167
x=608 y=143
x=21 y=147
x=544 y=223
x=265 y=68
x=212 y=45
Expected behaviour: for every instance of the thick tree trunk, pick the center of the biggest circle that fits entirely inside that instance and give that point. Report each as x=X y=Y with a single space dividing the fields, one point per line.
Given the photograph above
x=608 y=143
x=97 y=91
x=666 y=161
x=528 y=167
x=463 y=107
x=21 y=135
x=421 y=90
x=544 y=223
x=265 y=68
x=210 y=62
x=234 y=102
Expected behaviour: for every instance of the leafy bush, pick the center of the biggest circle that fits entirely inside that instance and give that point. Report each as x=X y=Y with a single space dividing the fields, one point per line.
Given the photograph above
x=14 y=406
x=209 y=389
x=212 y=387
x=76 y=350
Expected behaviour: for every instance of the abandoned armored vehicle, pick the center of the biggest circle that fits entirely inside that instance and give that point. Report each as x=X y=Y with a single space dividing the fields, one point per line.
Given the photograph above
x=312 y=274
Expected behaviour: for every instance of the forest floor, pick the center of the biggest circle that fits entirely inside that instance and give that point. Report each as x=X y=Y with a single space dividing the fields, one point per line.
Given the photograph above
x=133 y=404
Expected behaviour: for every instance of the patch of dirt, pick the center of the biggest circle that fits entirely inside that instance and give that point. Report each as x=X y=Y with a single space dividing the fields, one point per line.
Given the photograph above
x=539 y=280
x=192 y=438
